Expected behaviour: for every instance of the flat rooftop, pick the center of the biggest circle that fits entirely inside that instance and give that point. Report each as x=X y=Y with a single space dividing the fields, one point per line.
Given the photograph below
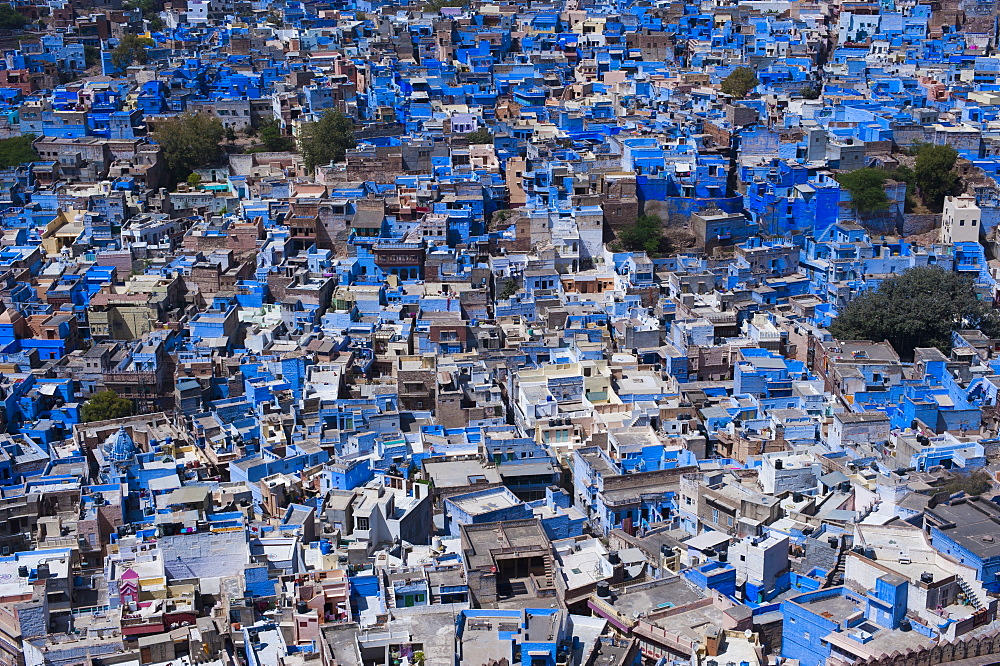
x=970 y=524
x=478 y=503
x=480 y=541
x=458 y=473
x=650 y=597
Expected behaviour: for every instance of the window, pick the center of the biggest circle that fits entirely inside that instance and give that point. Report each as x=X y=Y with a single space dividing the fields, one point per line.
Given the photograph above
x=362 y=523
x=729 y=520
x=715 y=515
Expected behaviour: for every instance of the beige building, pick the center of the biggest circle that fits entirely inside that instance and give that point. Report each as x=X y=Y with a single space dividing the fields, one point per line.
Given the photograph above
x=960 y=221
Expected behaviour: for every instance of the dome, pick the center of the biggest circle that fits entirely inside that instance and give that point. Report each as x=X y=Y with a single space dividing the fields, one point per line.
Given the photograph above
x=119 y=446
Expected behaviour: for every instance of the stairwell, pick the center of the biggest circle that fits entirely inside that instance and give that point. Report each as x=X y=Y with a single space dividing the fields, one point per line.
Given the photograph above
x=970 y=593
x=836 y=575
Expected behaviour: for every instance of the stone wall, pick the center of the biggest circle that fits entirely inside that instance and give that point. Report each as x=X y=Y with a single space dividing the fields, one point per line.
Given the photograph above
x=919 y=224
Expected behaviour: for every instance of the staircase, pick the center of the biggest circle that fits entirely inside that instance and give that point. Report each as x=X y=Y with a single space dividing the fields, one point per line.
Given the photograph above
x=837 y=572
x=970 y=594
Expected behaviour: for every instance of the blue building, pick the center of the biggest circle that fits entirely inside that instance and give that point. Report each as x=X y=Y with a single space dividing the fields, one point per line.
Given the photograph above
x=957 y=529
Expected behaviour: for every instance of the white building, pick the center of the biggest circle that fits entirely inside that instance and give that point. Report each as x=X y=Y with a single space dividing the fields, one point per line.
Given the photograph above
x=960 y=221
x=783 y=471
x=197 y=11
x=759 y=563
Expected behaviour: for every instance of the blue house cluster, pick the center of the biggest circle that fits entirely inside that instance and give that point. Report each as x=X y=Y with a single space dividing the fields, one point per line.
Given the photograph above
x=440 y=333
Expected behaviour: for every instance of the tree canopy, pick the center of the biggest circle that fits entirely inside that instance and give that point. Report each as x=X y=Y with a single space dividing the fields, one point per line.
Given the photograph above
x=131 y=49
x=867 y=189
x=932 y=177
x=189 y=141
x=810 y=92
x=144 y=6
x=438 y=5
x=917 y=308
x=933 y=174
x=327 y=140
x=10 y=18
x=272 y=138
x=976 y=483
x=105 y=406
x=646 y=235
x=91 y=55
x=510 y=288
x=740 y=82
x=481 y=135
x=17 y=150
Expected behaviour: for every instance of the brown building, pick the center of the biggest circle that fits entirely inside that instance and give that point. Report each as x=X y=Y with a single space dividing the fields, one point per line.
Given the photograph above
x=239 y=237
x=508 y=563
x=416 y=381
x=728 y=502
x=618 y=199
x=403 y=259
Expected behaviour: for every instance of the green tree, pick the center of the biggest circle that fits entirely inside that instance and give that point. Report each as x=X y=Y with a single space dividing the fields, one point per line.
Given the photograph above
x=481 y=135
x=740 y=82
x=438 y=5
x=10 y=18
x=510 y=288
x=810 y=92
x=131 y=49
x=500 y=219
x=933 y=174
x=272 y=137
x=147 y=9
x=17 y=150
x=867 y=188
x=327 y=140
x=193 y=180
x=144 y=6
x=976 y=483
x=230 y=133
x=917 y=308
x=646 y=235
x=105 y=406
x=91 y=56
x=189 y=141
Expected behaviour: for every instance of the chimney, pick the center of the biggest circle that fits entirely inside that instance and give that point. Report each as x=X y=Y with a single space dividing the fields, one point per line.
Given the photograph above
x=713 y=640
